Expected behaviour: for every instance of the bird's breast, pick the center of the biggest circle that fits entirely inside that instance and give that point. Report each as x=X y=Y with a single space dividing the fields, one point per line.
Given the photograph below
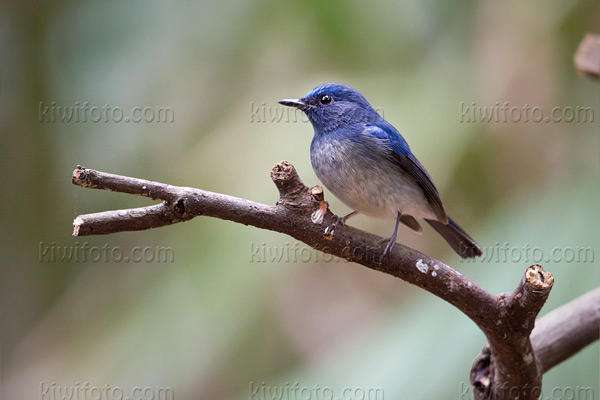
x=362 y=176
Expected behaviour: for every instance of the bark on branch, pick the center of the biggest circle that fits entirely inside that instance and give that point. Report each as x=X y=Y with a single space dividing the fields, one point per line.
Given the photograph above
x=510 y=360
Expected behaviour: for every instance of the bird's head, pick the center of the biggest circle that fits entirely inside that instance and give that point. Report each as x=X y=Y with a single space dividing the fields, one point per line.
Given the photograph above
x=332 y=105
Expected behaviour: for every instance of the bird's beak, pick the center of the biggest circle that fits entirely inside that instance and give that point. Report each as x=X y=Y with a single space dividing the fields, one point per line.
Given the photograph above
x=298 y=103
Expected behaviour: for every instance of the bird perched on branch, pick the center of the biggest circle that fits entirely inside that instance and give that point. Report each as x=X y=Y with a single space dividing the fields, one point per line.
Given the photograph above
x=367 y=164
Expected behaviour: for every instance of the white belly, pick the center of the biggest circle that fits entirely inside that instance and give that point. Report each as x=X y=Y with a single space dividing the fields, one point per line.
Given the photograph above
x=368 y=183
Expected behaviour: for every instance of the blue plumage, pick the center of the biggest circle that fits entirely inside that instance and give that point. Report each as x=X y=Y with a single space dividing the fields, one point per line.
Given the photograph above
x=366 y=163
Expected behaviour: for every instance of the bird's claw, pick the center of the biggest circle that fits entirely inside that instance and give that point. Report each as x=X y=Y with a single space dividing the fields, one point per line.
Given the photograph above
x=330 y=230
x=390 y=242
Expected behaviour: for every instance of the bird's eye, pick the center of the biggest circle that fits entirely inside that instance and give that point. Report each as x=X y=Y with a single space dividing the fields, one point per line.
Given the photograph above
x=326 y=99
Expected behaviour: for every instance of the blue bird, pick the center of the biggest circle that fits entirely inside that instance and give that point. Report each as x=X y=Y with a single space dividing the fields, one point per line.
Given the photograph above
x=367 y=164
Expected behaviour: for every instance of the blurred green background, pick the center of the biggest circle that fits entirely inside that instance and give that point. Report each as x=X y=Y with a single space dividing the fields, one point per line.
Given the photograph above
x=219 y=319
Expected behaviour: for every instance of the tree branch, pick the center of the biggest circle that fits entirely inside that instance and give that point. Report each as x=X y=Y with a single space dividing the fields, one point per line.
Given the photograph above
x=587 y=56
x=564 y=331
x=302 y=213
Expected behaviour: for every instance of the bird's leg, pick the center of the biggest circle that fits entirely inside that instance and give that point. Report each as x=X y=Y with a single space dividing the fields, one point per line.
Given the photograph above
x=347 y=217
x=392 y=239
x=330 y=230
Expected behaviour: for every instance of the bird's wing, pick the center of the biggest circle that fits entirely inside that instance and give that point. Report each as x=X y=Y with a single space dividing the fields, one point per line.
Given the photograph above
x=401 y=154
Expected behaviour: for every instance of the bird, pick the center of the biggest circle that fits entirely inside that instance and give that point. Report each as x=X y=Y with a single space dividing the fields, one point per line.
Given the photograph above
x=366 y=163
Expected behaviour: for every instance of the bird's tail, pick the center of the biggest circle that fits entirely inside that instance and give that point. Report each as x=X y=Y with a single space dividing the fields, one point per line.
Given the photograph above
x=458 y=239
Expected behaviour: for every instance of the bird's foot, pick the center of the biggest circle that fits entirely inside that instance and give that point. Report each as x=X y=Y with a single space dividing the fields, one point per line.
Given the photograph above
x=330 y=230
x=390 y=242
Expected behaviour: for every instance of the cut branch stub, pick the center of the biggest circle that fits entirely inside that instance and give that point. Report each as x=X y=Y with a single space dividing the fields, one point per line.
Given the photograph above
x=292 y=192
x=295 y=195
